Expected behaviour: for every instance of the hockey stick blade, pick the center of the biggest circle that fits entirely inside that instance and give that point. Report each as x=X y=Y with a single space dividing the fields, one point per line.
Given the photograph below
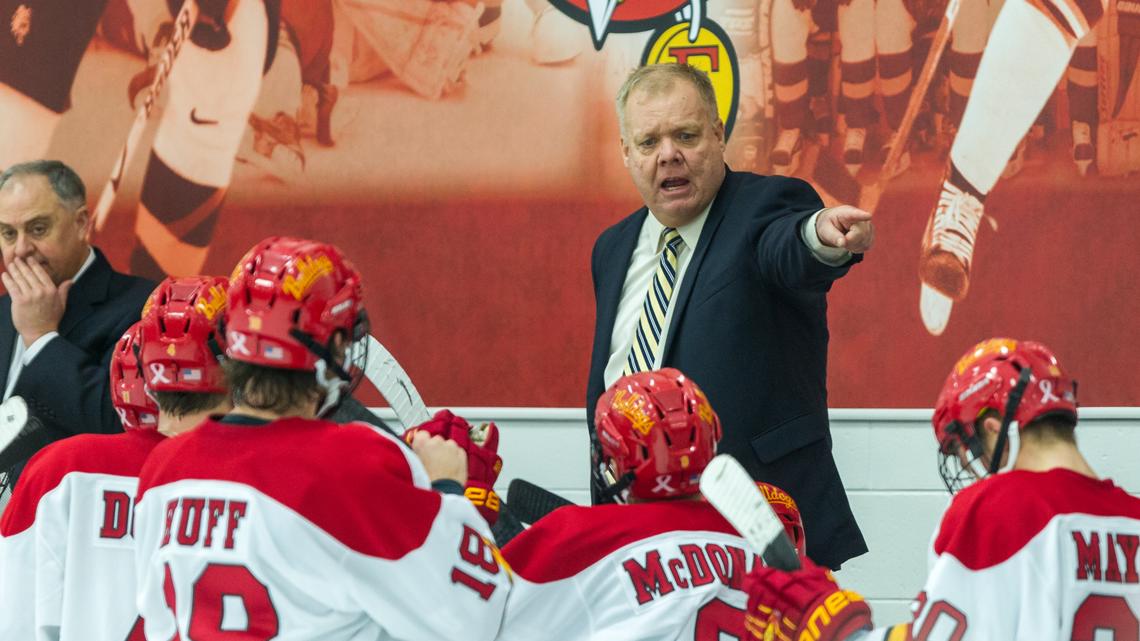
x=734 y=494
x=530 y=502
x=508 y=526
x=384 y=371
x=21 y=435
x=183 y=22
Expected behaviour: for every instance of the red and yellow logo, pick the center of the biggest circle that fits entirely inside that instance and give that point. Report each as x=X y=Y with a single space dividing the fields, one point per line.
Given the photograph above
x=212 y=303
x=309 y=269
x=711 y=52
x=630 y=405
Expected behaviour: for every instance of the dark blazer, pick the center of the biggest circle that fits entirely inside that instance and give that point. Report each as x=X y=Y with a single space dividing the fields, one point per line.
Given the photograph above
x=67 y=385
x=750 y=327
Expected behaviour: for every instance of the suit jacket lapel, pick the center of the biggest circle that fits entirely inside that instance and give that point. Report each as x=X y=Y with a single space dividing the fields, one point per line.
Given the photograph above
x=609 y=290
x=91 y=289
x=7 y=340
x=716 y=215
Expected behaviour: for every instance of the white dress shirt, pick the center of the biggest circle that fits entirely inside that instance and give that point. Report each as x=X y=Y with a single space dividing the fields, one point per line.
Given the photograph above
x=643 y=264
x=22 y=356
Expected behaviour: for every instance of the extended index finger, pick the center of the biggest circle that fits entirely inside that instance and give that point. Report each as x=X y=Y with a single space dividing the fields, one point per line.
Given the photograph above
x=849 y=215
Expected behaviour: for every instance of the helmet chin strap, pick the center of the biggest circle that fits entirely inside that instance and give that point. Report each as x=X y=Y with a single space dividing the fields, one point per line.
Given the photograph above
x=1007 y=423
x=332 y=386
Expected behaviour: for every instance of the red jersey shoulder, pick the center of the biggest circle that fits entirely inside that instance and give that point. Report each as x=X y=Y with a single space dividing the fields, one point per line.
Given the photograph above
x=111 y=454
x=988 y=522
x=572 y=538
x=348 y=480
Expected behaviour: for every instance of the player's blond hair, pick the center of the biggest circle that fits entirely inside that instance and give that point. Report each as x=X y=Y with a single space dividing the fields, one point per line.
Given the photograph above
x=660 y=77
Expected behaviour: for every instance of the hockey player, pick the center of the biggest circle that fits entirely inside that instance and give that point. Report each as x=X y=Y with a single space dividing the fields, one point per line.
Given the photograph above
x=270 y=523
x=212 y=87
x=41 y=47
x=1028 y=51
x=66 y=550
x=1045 y=550
x=792 y=69
x=666 y=566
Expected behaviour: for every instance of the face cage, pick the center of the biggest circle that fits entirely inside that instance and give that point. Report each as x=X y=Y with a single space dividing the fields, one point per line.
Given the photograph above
x=957 y=474
x=608 y=488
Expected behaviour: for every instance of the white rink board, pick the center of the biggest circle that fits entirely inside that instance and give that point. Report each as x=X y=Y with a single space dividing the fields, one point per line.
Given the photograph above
x=886 y=457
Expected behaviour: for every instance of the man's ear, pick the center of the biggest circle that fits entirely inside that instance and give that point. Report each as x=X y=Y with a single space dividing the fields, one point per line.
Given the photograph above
x=624 y=152
x=85 y=222
x=991 y=424
x=718 y=129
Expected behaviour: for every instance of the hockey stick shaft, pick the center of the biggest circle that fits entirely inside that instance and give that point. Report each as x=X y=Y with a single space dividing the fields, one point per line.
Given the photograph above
x=869 y=199
x=183 y=22
x=385 y=373
x=734 y=494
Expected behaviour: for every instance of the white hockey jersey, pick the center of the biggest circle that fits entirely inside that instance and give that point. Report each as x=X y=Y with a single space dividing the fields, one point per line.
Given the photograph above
x=304 y=529
x=649 y=571
x=66 y=550
x=1047 y=556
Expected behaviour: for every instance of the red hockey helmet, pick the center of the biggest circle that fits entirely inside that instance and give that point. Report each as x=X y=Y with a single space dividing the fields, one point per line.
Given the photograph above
x=180 y=349
x=136 y=409
x=656 y=432
x=288 y=299
x=1020 y=380
x=785 y=507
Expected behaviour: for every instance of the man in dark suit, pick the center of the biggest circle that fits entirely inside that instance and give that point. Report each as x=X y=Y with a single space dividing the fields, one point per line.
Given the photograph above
x=724 y=276
x=65 y=307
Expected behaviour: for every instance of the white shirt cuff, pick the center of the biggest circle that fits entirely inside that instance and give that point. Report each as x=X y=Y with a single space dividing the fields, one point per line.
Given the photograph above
x=831 y=256
x=37 y=346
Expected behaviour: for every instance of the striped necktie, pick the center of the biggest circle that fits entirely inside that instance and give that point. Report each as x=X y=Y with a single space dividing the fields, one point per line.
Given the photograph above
x=647 y=337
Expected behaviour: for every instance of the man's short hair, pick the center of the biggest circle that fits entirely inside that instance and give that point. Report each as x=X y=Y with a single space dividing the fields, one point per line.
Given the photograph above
x=659 y=77
x=179 y=404
x=271 y=389
x=66 y=184
x=1052 y=427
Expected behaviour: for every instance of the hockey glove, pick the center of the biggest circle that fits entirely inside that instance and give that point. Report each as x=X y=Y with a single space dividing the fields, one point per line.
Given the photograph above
x=483 y=460
x=806 y=603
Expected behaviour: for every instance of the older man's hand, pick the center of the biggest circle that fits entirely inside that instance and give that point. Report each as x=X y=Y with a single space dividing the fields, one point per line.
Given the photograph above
x=37 y=303
x=845 y=227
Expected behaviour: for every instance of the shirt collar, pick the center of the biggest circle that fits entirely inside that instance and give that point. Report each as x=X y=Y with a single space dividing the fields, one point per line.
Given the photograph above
x=91 y=259
x=690 y=231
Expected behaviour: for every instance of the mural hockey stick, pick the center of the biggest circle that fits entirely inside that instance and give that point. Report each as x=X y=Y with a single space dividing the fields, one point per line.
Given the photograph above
x=830 y=174
x=734 y=494
x=183 y=22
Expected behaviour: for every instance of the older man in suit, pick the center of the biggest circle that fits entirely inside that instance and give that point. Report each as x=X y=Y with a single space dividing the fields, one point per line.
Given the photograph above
x=65 y=307
x=724 y=276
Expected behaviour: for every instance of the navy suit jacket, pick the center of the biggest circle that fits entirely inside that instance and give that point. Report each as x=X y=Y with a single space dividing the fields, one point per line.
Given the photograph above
x=750 y=327
x=67 y=385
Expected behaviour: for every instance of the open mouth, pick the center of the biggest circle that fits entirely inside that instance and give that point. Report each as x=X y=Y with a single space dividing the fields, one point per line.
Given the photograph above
x=674 y=184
